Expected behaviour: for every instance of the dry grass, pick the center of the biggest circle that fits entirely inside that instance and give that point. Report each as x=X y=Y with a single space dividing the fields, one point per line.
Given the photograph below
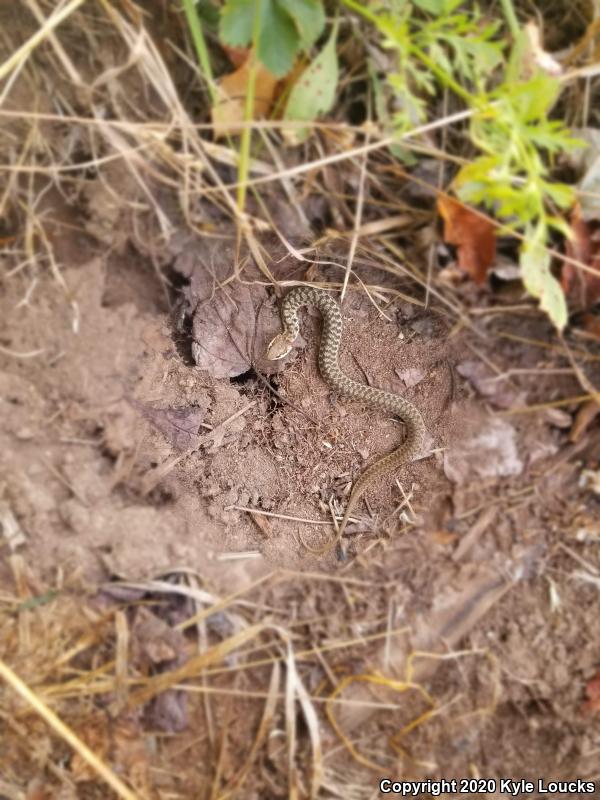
x=74 y=699
x=87 y=90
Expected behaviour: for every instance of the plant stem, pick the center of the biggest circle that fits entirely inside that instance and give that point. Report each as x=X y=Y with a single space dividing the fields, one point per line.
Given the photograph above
x=244 y=165
x=511 y=18
x=195 y=26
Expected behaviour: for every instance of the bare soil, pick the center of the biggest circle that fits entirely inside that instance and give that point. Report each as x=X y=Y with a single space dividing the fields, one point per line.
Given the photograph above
x=123 y=459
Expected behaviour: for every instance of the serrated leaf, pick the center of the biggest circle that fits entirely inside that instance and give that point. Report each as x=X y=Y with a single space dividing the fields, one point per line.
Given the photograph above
x=278 y=36
x=308 y=17
x=237 y=18
x=314 y=91
x=279 y=40
x=563 y=195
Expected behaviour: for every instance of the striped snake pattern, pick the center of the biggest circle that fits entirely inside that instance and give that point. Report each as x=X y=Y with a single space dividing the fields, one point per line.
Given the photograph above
x=329 y=368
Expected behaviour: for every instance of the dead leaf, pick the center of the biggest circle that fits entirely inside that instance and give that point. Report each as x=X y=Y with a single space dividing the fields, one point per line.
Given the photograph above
x=488 y=449
x=231 y=321
x=154 y=642
x=228 y=331
x=411 y=376
x=230 y=111
x=237 y=55
x=558 y=418
x=263 y=525
x=473 y=235
x=180 y=426
x=583 y=287
x=157 y=647
x=592 y=691
x=591 y=324
x=583 y=419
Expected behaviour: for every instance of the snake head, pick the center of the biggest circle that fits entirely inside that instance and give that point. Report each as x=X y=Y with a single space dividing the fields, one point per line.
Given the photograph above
x=278 y=347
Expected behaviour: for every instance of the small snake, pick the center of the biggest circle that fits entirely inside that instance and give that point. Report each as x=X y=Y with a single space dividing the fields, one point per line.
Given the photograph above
x=329 y=368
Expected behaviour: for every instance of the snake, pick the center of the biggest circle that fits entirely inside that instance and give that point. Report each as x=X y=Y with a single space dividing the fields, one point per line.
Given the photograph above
x=329 y=348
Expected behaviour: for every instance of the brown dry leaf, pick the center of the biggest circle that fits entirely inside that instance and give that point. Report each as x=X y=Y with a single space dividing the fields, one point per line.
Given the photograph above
x=237 y=55
x=592 y=691
x=229 y=112
x=473 y=235
x=231 y=322
x=154 y=642
x=591 y=324
x=583 y=286
x=231 y=330
x=180 y=426
x=263 y=525
x=583 y=419
x=487 y=450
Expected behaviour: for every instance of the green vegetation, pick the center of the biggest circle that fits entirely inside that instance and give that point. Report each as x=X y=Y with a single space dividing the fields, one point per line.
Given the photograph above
x=489 y=65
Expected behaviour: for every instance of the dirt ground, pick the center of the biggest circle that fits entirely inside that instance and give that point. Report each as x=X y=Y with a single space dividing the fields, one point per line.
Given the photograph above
x=143 y=436
x=122 y=459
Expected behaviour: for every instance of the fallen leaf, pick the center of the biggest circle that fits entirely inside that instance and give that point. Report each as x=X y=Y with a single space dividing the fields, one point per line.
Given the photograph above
x=231 y=321
x=582 y=286
x=237 y=55
x=592 y=691
x=586 y=414
x=590 y=323
x=263 y=524
x=224 y=331
x=488 y=449
x=229 y=112
x=473 y=235
x=180 y=426
x=411 y=376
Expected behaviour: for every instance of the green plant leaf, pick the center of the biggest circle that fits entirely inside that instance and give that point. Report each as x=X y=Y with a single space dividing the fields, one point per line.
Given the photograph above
x=237 y=18
x=279 y=40
x=285 y=27
x=208 y=13
x=308 y=17
x=539 y=281
x=315 y=90
x=437 y=7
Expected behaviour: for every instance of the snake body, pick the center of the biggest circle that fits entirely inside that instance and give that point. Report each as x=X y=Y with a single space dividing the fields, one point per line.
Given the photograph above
x=329 y=368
